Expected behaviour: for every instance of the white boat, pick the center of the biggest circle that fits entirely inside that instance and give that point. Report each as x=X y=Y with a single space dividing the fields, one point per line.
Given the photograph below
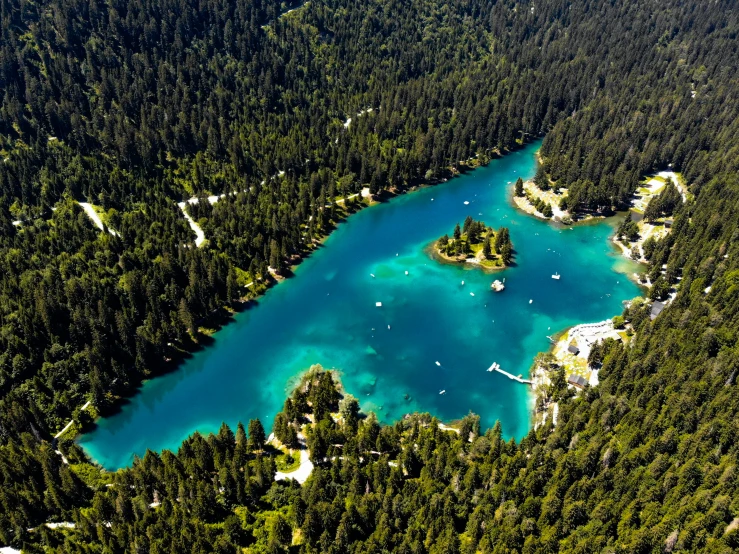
x=378 y=304
x=463 y=282
x=531 y=301
x=472 y=294
x=442 y=391
x=466 y=202
x=437 y=363
x=372 y=275
x=388 y=326
x=556 y=276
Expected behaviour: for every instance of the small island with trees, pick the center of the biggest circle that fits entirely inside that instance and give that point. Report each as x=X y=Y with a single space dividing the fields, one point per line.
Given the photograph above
x=476 y=243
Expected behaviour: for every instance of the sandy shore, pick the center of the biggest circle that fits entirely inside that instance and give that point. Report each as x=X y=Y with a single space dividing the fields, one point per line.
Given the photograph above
x=582 y=337
x=550 y=197
x=647 y=191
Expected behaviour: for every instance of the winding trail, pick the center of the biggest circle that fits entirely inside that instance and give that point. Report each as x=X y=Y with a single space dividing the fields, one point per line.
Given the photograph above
x=68 y=425
x=359 y=114
x=342 y=200
x=306 y=466
x=293 y=9
x=92 y=214
x=199 y=234
x=302 y=473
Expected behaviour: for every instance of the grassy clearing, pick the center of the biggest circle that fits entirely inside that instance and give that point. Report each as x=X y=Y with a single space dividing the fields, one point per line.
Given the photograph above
x=575 y=366
x=287 y=463
x=93 y=476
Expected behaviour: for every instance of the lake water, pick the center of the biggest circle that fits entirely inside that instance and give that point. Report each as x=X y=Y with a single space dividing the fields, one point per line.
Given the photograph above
x=327 y=314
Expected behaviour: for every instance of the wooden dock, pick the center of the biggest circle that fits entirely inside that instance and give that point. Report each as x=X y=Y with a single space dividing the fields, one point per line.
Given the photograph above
x=511 y=376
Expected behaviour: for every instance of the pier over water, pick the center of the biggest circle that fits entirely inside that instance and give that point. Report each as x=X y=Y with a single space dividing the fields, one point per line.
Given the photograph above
x=494 y=367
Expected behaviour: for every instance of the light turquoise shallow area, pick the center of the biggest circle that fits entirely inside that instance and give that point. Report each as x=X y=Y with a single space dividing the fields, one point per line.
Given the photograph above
x=326 y=314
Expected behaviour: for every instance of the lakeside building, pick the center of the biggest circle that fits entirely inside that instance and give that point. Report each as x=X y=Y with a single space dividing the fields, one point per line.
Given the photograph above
x=657 y=308
x=577 y=381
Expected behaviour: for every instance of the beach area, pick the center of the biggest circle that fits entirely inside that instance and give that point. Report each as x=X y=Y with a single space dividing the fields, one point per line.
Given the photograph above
x=569 y=351
x=651 y=188
x=549 y=197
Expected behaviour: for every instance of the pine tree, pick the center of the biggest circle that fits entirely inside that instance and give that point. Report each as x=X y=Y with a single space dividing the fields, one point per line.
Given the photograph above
x=186 y=317
x=256 y=435
x=541 y=180
x=518 y=190
x=506 y=253
x=468 y=221
x=486 y=250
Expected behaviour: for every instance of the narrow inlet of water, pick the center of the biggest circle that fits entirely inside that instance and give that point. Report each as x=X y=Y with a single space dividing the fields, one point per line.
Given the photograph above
x=327 y=315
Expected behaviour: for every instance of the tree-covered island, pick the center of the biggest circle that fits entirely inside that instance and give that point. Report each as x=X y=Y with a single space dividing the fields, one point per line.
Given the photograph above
x=476 y=243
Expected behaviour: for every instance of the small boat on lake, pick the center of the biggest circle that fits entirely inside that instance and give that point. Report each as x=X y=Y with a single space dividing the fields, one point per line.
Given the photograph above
x=497 y=286
x=556 y=276
x=442 y=391
x=437 y=363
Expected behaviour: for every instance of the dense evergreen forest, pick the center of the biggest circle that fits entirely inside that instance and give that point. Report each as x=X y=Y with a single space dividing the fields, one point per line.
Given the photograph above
x=134 y=106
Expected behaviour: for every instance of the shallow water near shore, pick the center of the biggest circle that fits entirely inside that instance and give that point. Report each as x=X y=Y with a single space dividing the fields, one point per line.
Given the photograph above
x=387 y=355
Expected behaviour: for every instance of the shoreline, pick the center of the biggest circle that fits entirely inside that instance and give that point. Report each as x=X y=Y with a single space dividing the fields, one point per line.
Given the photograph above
x=467 y=263
x=377 y=199
x=259 y=286
x=538 y=378
x=651 y=188
x=539 y=407
x=523 y=203
x=588 y=332
x=582 y=336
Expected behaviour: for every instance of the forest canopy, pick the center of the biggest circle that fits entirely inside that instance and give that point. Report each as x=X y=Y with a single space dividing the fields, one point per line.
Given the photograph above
x=133 y=106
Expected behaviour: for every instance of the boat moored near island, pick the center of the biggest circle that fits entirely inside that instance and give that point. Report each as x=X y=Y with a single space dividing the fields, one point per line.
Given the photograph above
x=497 y=286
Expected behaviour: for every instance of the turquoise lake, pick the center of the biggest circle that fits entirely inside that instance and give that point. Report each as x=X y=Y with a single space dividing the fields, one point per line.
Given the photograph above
x=327 y=315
